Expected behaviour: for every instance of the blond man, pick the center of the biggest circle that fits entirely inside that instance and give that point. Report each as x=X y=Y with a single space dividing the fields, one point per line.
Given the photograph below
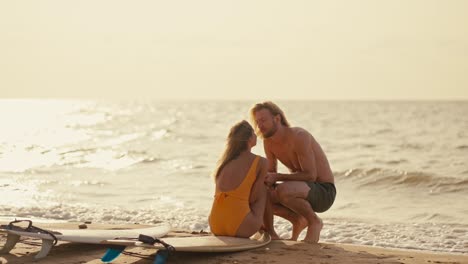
x=308 y=188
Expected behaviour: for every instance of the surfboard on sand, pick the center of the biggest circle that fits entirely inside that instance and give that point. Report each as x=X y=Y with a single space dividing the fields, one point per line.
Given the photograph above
x=202 y=243
x=189 y=244
x=88 y=236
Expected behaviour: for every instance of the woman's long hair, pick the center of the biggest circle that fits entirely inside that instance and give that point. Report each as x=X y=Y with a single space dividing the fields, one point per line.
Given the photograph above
x=237 y=141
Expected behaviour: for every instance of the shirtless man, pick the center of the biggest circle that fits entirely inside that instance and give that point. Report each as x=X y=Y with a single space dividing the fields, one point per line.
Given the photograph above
x=308 y=188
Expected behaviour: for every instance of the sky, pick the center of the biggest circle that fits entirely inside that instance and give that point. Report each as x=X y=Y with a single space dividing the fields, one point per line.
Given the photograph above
x=235 y=50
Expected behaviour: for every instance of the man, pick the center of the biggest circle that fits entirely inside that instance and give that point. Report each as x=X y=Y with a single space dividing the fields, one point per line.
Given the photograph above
x=308 y=188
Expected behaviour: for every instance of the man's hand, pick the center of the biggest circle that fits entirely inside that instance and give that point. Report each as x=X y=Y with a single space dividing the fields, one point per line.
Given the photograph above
x=270 y=178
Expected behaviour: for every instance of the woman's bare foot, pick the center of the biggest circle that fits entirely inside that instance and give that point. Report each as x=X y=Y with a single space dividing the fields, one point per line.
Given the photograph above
x=313 y=231
x=274 y=236
x=272 y=233
x=298 y=226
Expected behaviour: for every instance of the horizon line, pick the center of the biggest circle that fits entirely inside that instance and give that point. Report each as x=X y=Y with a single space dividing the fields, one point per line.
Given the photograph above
x=237 y=99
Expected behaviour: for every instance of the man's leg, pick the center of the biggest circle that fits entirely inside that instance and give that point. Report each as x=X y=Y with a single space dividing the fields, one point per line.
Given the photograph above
x=298 y=222
x=293 y=195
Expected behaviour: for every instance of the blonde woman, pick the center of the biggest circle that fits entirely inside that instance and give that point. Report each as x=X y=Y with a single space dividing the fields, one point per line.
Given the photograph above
x=240 y=196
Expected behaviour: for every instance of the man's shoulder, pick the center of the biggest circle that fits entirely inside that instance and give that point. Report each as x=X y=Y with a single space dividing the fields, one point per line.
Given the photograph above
x=300 y=133
x=301 y=138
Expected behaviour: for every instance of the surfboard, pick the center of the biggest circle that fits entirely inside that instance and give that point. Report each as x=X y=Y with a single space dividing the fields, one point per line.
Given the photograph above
x=201 y=243
x=189 y=244
x=88 y=236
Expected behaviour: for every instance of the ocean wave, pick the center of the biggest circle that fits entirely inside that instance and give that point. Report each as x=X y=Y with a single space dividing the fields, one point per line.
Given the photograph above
x=433 y=216
x=149 y=160
x=78 y=150
x=78 y=183
x=368 y=145
x=383 y=131
x=392 y=162
x=411 y=146
x=391 y=178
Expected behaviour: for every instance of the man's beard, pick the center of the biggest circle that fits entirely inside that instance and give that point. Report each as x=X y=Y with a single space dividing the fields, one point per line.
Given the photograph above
x=271 y=132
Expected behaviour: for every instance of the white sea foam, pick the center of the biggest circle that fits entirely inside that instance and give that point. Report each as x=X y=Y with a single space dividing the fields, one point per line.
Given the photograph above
x=426 y=236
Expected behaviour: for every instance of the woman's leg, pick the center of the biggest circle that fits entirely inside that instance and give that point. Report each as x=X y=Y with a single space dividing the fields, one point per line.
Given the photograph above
x=254 y=219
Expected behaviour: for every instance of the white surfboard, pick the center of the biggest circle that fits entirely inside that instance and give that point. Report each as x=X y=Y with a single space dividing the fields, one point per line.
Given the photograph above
x=202 y=243
x=88 y=236
x=187 y=244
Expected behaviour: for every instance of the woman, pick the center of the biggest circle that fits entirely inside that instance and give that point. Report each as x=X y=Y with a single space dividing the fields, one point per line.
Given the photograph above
x=240 y=196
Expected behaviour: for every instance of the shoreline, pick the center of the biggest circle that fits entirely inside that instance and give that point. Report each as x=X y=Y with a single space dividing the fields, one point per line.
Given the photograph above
x=280 y=251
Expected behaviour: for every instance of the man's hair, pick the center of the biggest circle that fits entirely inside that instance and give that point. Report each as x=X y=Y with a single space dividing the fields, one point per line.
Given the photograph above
x=274 y=110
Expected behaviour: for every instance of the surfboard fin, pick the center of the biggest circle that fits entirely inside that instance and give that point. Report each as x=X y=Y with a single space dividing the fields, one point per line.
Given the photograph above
x=161 y=257
x=10 y=243
x=112 y=253
x=47 y=245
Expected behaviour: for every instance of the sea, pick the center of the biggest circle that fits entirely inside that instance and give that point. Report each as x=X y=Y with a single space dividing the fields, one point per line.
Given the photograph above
x=401 y=167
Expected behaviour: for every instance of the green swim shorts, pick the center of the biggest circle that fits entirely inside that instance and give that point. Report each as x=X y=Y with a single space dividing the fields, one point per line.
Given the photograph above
x=321 y=195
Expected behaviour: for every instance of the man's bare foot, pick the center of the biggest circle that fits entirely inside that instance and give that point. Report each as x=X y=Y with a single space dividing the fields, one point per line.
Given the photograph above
x=313 y=231
x=297 y=228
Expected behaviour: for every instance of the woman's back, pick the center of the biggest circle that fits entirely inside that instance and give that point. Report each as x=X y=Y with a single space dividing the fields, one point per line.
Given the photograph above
x=234 y=172
x=232 y=197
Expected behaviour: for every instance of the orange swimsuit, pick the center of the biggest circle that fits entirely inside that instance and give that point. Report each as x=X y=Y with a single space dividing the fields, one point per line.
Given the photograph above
x=230 y=208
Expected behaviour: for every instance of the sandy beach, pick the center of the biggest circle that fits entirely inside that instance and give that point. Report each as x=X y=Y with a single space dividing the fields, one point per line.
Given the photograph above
x=276 y=252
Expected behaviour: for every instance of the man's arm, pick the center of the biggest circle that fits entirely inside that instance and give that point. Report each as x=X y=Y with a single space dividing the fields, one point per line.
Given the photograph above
x=306 y=158
x=272 y=165
x=272 y=161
